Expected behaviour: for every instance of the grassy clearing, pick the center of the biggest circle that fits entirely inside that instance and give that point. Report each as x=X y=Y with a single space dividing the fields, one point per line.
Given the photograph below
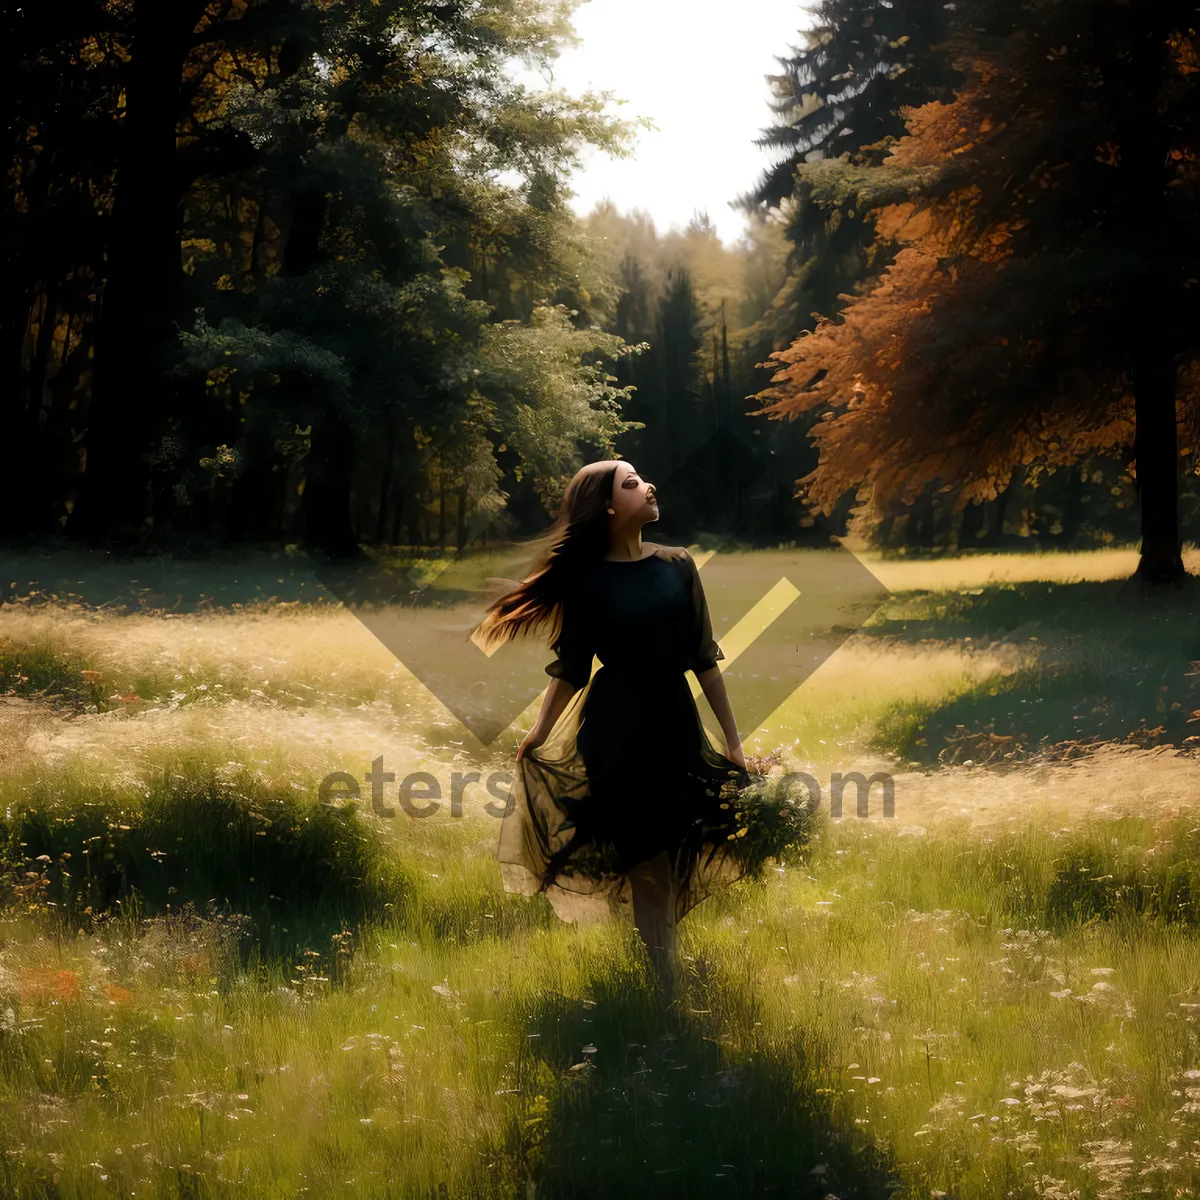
x=861 y=1004
x=97 y=659
x=1091 y=668
x=166 y=1083
x=281 y=665
x=980 y=568
x=987 y=1017
x=993 y=995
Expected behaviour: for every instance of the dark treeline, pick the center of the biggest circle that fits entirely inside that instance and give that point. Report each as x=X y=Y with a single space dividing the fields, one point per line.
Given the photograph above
x=260 y=279
x=703 y=313
x=294 y=270
x=263 y=280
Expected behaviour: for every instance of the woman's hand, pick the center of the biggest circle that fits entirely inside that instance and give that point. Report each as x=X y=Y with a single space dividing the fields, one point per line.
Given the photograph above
x=735 y=755
x=534 y=738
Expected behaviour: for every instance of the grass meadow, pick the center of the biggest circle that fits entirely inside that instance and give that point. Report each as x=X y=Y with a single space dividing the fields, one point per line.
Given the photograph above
x=214 y=985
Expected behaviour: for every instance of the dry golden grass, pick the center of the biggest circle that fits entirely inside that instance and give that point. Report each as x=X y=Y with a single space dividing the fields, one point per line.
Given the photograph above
x=976 y=570
x=1111 y=783
x=823 y=721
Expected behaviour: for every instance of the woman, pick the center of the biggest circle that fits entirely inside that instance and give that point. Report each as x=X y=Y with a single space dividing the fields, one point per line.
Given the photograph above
x=620 y=795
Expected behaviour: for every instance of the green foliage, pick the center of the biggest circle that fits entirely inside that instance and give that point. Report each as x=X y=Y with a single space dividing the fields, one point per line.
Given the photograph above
x=704 y=311
x=216 y=840
x=546 y=388
x=838 y=106
x=350 y=194
x=773 y=825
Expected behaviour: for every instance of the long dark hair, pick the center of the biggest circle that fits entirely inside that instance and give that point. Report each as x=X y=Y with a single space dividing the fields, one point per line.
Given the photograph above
x=578 y=536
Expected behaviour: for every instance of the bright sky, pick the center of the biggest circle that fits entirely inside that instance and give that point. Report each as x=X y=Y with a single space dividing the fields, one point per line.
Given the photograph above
x=696 y=68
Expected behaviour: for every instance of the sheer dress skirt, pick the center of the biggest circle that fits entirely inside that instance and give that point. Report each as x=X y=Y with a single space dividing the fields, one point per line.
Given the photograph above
x=628 y=772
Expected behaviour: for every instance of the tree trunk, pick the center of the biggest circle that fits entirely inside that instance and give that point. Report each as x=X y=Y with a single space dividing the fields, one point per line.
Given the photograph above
x=883 y=534
x=385 y=484
x=1072 y=516
x=971 y=525
x=442 y=504
x=253 y=506
x=1156 y=452
x=398 y=517
x=30 y=465
x=1135 y=68
x=461 y=536
x=24 y=32
x=327 y=494
x=714 y=390
x=919 y=532
x=142 y=281
x=995 y=520
x=416 y=518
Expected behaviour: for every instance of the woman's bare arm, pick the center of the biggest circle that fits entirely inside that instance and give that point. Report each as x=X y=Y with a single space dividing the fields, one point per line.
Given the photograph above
x=558 y=696
x=718 y=700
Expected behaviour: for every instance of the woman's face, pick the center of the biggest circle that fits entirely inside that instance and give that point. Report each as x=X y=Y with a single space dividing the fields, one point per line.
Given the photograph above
x=633 y=498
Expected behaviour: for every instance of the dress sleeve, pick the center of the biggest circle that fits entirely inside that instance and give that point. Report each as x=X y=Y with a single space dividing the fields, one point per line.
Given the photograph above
x=574 y=646
x=705 y=651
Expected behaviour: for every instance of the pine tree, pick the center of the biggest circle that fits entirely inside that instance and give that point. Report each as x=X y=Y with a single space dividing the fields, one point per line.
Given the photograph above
x=677 y=356
x=841 y=95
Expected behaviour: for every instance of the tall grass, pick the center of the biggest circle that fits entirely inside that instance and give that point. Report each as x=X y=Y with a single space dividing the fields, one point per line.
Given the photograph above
x=213 y=838
x=993 y=1037
x=274 y=997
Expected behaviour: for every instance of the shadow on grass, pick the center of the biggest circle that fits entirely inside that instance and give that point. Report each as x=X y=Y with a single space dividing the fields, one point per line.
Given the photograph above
x=227 y=578
x=1104 y=664
x=621 y=1101
x=305 y=874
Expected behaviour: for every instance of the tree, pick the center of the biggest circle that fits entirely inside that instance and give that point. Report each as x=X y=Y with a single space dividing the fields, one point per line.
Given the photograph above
x=278 y=230
x=547 y=388
x=733 y=470
x=841 y=93
x=1043 y=306
x=678 y=346
x=58 y=105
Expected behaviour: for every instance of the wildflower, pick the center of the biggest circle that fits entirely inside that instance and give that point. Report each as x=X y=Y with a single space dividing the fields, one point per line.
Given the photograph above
x=46 y=986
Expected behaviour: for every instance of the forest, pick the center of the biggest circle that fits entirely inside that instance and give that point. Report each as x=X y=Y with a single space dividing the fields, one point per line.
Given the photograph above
x=290 y=270
x=301 y=311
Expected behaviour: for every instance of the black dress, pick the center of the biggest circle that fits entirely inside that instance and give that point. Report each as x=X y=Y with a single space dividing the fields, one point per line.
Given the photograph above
x=628 y=770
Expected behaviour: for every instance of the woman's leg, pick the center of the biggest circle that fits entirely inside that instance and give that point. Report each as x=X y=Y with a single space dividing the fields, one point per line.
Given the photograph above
x=653 y=888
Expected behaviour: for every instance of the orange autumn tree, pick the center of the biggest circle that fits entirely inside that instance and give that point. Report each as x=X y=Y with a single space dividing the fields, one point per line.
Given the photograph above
x=1043 y=304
